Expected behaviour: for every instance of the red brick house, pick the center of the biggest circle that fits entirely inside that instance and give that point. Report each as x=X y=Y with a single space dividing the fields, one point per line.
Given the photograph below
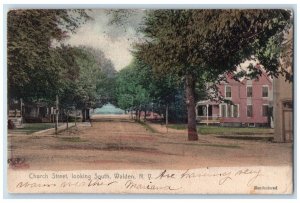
x=252 y=102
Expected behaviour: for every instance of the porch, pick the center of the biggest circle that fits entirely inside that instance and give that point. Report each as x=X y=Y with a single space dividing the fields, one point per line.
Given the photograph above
x=207 y=112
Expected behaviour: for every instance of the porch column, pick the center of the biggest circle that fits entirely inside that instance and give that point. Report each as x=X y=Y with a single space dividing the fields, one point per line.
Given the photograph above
x=207 y=114
x=38 y=111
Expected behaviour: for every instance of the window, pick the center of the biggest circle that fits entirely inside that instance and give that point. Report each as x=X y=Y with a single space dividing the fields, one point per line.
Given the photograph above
x=265 y=91
x=235 y=111
x=204 y=111
x=229 y=112
x=249 y=91
x=287 y=104
x=265 y=110
x=223 y=110
x=249 y=111
x=227 y=91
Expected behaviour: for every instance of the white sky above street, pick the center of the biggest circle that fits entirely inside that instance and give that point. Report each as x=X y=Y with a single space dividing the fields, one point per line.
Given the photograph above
x=114 y=40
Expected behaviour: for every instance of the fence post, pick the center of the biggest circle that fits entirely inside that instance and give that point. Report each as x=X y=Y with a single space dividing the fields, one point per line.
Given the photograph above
x=67 y=119
x=56 y=113
x=167 y=116
x=75 y=115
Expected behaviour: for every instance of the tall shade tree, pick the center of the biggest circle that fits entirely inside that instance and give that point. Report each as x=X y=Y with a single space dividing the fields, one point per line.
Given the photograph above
x=33 y=71
x=83 y=78
x=140 y=88
x=161 y=90
x=105 y=85
x=131 y=94
x=196 y=43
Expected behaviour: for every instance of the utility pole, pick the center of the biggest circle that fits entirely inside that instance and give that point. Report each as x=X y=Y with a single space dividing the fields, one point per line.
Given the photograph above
x=21 y=110
x=67 y=119
x=167 y=116
x=56 y=113
x=75 y=115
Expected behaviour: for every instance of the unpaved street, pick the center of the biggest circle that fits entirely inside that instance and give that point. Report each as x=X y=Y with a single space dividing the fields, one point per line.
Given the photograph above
x=120 y=143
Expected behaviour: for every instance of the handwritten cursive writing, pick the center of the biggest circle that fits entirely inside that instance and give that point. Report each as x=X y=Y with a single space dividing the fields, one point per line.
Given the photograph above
x=164 y=174
x=34 y=185
x=223 y=176
x=254 y=173
x=132 y=185
x=162 y=180
x=93 y=183
x=73 y=184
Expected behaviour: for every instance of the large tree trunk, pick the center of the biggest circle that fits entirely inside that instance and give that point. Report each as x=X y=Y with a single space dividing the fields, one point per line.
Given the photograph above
x=190 y=103
x=87 y=111
x=83 y=115
x=145 y=113
x=136 y=114
x=139 y=114
x=56 y=115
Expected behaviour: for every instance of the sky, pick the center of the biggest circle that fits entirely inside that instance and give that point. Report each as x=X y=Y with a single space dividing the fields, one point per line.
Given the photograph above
x=114 y=40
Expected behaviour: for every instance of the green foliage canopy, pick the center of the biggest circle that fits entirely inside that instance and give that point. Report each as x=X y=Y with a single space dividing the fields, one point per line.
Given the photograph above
x=212 y=41
x=33 y=69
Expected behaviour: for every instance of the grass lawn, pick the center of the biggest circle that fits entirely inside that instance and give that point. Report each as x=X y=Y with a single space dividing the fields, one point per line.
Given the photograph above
x=148 y=127
x=72 y=139
x=203 y=129
x=33 y=127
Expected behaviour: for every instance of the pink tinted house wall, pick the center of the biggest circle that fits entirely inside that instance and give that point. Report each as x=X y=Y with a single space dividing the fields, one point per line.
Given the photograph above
x=237 y=93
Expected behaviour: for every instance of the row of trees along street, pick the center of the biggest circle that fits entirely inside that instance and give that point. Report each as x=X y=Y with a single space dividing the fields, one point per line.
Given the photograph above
x=180 y=52
x=140 y=89
x=38 y=70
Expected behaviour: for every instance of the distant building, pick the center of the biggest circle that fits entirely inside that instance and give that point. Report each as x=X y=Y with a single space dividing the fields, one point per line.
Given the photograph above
x=283 y=95
x=20 y=112
x=108 y=109
x=29 y=112
x=250 y=103
x=15 y=118
x=283 y=110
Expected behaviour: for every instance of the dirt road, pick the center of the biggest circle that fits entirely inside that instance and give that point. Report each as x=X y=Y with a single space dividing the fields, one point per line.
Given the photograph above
x=120 y=143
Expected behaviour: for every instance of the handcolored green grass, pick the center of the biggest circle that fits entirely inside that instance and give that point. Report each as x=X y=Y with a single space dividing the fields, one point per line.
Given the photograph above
x=218 y=130
x=148 y=127
x=72 y=139
x=30 y=128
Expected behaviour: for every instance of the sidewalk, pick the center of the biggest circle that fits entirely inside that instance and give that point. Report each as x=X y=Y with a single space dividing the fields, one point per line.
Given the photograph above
x=51 y=131
x=164 y=130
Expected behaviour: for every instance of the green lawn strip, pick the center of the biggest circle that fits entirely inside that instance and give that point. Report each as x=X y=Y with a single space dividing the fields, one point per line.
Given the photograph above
x=178 y=126
x=147 y=126
x=267 y=139
x=221 y=145
x=38 y=126
x=72 y=139
x=234 y=146
x=30 y=128
x=224 y=130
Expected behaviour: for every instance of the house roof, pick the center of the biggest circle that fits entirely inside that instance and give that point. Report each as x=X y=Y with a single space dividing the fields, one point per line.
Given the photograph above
x=244 y=67
x=264 y=73
x=205 y=102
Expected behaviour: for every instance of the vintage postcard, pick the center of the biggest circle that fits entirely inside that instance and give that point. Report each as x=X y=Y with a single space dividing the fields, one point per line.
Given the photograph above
x=150 y=101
